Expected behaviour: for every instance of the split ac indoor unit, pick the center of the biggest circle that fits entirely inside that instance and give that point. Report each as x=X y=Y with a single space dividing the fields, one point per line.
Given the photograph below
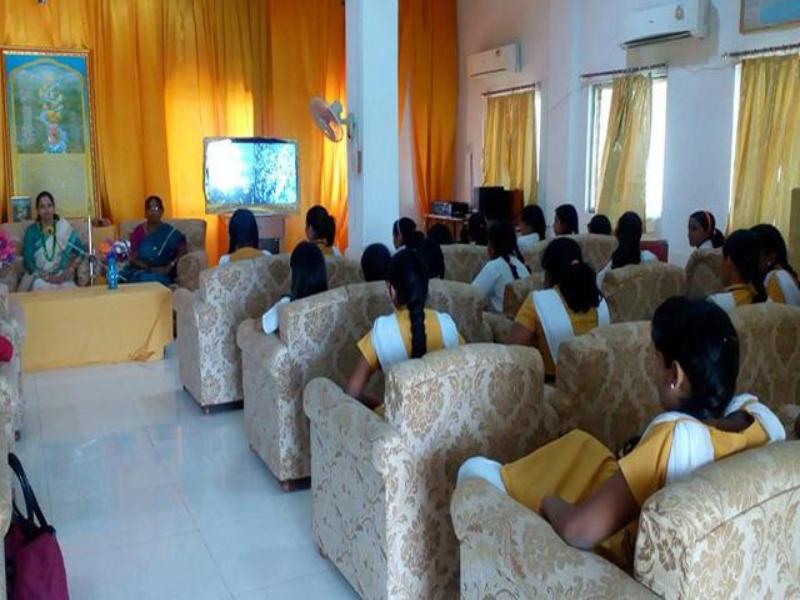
x=494 y=62
x=673 y=21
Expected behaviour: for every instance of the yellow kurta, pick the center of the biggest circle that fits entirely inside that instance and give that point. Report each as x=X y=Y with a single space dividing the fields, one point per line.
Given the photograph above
x=743 y=293
x=576 y=465
x=530 y=320
x=326 y=250
x=774 y=289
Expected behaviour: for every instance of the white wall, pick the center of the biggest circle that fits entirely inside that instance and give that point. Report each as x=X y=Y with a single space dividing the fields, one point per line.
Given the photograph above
x=563 y=38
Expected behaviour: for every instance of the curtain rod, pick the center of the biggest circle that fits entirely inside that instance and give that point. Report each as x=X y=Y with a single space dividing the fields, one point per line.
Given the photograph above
x=509 y=90
x=769 y=50
x=629 y=71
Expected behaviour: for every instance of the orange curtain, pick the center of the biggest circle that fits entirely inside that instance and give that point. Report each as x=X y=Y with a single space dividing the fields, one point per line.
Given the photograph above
x=428 y=74
x=167 y=73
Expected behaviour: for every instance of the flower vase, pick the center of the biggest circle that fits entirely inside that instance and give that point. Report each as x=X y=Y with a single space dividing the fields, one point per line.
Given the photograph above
x=112 y=276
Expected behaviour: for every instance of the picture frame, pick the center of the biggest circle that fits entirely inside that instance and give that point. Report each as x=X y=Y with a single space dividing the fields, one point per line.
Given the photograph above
x=48 y=118
x=760 y=15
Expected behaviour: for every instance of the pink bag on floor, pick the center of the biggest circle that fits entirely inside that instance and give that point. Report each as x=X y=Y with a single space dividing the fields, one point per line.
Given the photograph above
x=34 y=564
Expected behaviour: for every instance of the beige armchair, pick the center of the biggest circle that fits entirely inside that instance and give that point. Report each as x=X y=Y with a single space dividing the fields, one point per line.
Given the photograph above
x=381 y=488
x=635 y=292
x=6 y=446
x=704 y=273
x=12 y=326
x=596 y=250
x=463 y=262
x=209 y=361
x=728 y=531
x=518 y=291
x=194 y=261
x=318 y=338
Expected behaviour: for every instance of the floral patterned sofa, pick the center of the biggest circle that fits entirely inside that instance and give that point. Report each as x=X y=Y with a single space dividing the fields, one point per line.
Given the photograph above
x=381 y=488
x=317 y=338
x=12 y=326
x=194 y=261
x=596 y=250
x=704 y=273
x=463 y=262
x=6 y=446
x=727 y=532
x=209 y=360
x=635 y=292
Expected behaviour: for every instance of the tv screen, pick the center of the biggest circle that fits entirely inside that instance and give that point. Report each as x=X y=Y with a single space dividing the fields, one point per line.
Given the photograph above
x=255 y=173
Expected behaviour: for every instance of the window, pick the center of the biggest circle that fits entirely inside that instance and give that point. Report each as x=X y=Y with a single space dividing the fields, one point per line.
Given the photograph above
x=599 y=110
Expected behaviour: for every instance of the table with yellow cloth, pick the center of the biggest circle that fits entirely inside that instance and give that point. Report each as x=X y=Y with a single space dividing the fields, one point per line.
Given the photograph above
x=84 y=326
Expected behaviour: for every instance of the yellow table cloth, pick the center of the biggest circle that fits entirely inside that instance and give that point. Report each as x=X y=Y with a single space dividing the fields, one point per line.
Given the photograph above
x=84 y=326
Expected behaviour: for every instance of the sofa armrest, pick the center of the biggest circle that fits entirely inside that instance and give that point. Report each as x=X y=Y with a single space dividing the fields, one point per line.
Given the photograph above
x=189 y=268
x=505 y=546
x=182 y=300
x=564 y=406
x=500 y=326
x=251 y=338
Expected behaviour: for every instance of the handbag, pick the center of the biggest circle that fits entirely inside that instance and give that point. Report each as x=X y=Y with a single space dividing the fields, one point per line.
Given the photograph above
x=34 y=563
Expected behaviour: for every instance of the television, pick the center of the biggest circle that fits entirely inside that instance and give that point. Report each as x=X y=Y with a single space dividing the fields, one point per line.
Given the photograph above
x=259 y=174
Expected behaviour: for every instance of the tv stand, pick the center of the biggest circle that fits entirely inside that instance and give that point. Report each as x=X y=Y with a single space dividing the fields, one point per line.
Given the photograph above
x=271 y=231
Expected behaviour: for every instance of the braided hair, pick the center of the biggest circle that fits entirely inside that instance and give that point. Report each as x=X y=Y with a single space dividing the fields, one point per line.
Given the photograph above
x=699 y=336
x=743 y=249
x=629 y=236
x=409 y=278
x=503 y=240
x=563 y=265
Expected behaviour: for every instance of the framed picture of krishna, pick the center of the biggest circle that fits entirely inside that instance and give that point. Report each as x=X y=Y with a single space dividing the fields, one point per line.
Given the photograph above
x=49 y=127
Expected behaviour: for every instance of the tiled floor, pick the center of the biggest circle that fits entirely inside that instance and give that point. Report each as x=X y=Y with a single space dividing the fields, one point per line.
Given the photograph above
x=152 y=499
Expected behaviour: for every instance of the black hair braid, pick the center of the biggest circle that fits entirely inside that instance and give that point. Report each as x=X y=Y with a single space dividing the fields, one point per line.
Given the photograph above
x=419 y=340
x=743 y=247
x=409 y=277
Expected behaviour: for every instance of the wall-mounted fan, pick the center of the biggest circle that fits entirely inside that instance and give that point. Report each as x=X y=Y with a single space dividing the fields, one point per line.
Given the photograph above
x=331 y=119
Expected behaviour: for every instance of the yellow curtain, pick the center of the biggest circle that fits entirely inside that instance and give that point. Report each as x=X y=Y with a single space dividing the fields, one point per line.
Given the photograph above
x=767 y=162
x=623 y=169
x=428 y=77
x=166 y=73
x=509 y=144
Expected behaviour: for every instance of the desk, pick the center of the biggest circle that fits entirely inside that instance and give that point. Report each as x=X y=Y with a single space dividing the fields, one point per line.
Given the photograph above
x=454 y=224
x=84 y=326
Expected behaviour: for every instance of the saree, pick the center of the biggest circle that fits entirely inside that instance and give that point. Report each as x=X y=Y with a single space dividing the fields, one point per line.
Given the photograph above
x=157 y=250
x=48 y=254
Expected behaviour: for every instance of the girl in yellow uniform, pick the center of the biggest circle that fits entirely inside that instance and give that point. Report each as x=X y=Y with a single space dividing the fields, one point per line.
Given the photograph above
x=242 y=238
x=321 y=230
x=591 y=498
x=410 y=332
x=629 y=251
x=741 y=272
x=779 y=277
x=572 y=304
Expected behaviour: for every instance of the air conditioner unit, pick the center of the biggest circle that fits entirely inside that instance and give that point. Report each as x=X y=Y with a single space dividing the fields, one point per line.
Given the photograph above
x=494 y=62
x=674 y=21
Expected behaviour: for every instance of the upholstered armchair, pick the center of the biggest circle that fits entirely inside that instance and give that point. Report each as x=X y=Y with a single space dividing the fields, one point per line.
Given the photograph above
x=463 y=262
x=596 y=250
x=635 y=292
x=728 y=531
x=381 y=488
x=6 y=446
x=12 y=326
x=209 y=360
x=518 y=291
x=704 y=273
x=194 y=261
x=318 y=338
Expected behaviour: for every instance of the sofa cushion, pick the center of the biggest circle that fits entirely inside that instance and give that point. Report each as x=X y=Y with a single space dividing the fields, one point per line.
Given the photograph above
x=704 y=273
x=635 y=292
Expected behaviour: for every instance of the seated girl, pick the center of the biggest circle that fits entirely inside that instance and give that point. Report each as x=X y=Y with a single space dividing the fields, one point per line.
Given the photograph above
x=566 y=220
x=375 y=262
x=51 y=249
x=309 y=277
x=741 y=271
x=600 y=225
x=779 y=277
x=505 y=265
x=406 y=235
x=571 y=305
x=532 y=228
x=242 y=238
x=475 y=232
x=321 y=230
x=410 y=332
x=591 y=498
x=441 y=234
x=703 y=232
x=156 y=248
x=433 y=257
x=629 y=251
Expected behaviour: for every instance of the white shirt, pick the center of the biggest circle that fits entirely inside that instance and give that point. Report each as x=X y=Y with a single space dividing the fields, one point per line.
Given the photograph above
x=226 y=258
x=707 y=245
x=494 y=277
x=527 y=242
x=645 y=256
x=270 y=319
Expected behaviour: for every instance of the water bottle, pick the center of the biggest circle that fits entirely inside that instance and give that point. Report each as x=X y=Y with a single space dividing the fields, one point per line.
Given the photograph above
x=112 y=276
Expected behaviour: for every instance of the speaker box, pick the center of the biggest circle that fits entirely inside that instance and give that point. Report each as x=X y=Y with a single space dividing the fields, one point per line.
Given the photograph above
x=494 y=202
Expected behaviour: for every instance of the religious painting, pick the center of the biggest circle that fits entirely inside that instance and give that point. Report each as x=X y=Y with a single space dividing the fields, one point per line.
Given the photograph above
x=49 y=128
x=767 y=14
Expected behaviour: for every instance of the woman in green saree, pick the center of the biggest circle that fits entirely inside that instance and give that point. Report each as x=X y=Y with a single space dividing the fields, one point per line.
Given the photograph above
x=51 y=249
x=156 y=248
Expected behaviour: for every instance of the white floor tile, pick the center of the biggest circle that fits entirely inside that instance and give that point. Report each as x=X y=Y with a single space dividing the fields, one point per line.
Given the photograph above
x=175 y=568
x=328 y=584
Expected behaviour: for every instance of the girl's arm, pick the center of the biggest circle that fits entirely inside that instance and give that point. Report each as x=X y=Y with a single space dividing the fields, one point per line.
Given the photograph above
x=519 y=336
x=358 y=383
x=588 y=523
